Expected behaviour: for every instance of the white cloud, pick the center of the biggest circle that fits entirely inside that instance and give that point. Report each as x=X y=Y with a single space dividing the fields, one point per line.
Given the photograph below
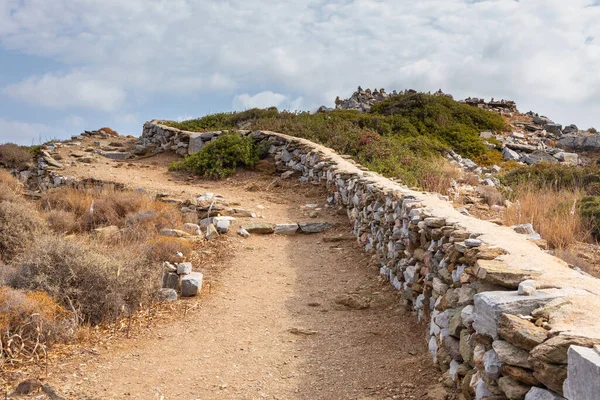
x=74 y=90
x=74 y=121
x=123 y=53
x=259 y=100
x=25 y=133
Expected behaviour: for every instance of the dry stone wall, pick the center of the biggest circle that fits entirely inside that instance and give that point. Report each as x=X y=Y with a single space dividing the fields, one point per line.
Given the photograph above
x=506 y=320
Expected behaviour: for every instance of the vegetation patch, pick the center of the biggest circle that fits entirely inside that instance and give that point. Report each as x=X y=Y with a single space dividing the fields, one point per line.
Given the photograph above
x=220 y=158
x=590 y=210
x=13 y=156
x=403 y=137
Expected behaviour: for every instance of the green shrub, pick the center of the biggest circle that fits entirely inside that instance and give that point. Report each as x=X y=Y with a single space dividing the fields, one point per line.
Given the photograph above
x=15 y=156
x=400 y=137
x=555 y=177
x=220 y=158
x=589 y=207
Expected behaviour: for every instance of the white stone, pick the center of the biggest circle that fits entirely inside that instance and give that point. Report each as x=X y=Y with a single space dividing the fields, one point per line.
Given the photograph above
x=184 y=268
x=489 y=306
x=191 y=284
x=466 y=315
x=527 y=288
x=286 y=229
x=537 y=393
x=491 y=364
x=583 y=379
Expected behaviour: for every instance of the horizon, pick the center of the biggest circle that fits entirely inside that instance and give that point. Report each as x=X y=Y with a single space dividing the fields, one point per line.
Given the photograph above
x=70 y=66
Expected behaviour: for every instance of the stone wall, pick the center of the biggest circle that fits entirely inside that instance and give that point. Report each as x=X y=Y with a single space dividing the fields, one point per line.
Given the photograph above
x=506 y=319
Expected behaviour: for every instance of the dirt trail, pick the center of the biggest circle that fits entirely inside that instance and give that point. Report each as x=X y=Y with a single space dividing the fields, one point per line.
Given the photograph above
x=271 y=327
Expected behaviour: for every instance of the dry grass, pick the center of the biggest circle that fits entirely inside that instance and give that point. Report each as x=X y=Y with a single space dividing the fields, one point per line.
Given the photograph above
x=553 y=215
x=166 y=249
x=140 y=215
x=109 y=131
x=10 y=187
x=439 y=179
x=15 y=156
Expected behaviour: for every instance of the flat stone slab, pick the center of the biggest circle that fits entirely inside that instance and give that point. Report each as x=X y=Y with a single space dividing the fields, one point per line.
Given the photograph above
x=583 y=381
x=286 y=229
x=499 y=273
x=490 y=305
x=174 y=233
x=314 y=227
x=117 y=155
x=537 y=393
x=260 y=228
x=191 y=284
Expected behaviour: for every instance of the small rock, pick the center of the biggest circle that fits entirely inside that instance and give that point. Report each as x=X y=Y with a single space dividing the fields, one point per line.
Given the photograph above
x=527 y=288
x=174 y=233
x=184 y=268
x=169 y=295
x=168 y=267
x=353 y=301
x=243 y=233
x=116 y=155
x=191 y=284
x=192 y=229
x=170 y=280
x=211 y=232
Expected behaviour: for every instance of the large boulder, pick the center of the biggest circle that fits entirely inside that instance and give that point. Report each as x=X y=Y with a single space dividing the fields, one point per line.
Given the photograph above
x=539 y=156
x=580 y=143
x=510 y=155
x=571 y=129
x=553 y=128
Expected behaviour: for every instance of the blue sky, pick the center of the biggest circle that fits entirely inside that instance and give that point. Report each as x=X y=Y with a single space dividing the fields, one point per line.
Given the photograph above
x=70 y=65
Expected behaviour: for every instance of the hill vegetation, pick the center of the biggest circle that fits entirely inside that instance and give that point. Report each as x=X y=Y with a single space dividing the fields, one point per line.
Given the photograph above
x=402 y=137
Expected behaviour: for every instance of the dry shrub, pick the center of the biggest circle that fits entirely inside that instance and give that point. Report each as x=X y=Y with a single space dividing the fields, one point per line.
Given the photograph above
x=62 y=221
x=19 y=225
x=440 y=177
x=29 y=322
x=15 y=156
x=553 y=214
x=97 y=286
x=109 y=131
x=575 y=258
x=469 y=178
x=166 y=248
x=10 y=187
x=139 y=215
x=491 y=195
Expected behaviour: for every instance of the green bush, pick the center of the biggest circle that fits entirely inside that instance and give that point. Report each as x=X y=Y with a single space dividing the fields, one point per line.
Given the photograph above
x=589 y=207
x=555 y=177
x=400 y=137
x=220 y=158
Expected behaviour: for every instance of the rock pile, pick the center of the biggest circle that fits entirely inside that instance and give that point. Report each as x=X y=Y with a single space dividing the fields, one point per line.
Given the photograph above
x=180 y=278
x=502 y=314
x=500 y=106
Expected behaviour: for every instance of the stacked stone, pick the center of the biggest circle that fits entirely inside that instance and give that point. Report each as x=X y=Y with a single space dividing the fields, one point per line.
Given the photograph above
x=496 y=330
x=162 y=138
x=182 y=278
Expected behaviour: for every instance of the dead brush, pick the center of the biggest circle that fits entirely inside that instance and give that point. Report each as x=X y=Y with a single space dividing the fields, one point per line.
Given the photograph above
x=140 y=215
x=29 y=323
x=440 y=178
x=15 y=156
x=10 y=187
x=166 y=249
x=20 y=224
x=95 y=283
x=552 y=213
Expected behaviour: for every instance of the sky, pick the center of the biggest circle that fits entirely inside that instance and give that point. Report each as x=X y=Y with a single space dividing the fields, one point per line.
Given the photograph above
x=71 y=65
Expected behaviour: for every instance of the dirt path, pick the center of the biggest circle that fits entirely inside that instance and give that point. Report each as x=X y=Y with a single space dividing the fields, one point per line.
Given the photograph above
x=271 y=327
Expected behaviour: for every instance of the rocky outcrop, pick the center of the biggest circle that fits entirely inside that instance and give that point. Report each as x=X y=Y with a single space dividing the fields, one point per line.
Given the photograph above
x=580 y=143
x=491 y=333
